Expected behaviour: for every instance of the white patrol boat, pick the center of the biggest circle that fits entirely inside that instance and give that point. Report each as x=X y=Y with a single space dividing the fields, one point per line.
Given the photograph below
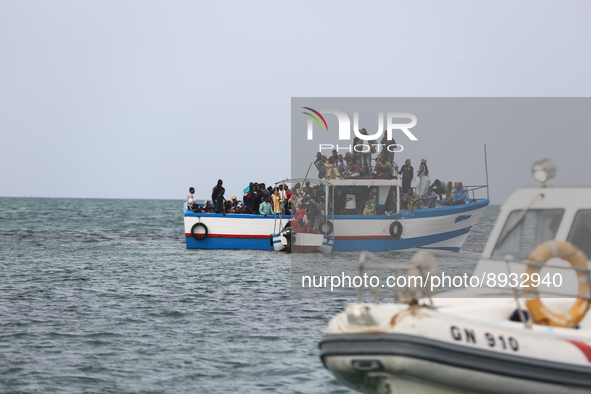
x=520 y=326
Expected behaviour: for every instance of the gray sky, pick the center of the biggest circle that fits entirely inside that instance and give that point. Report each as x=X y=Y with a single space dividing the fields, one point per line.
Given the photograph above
x=142 y=99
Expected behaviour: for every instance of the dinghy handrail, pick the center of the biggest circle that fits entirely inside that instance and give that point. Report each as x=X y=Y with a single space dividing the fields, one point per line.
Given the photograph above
x=373 y=262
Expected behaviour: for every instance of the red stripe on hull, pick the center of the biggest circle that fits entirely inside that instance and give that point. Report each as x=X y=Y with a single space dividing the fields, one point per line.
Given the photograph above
x=232 y=236
x=586 y=349
x=362 y=237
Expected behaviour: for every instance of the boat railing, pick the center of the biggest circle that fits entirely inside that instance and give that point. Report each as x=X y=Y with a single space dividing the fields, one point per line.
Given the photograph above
x=425 y=268
x=348 y=174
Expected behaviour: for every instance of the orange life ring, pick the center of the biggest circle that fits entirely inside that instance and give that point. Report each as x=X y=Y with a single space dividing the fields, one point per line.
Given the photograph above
x=569 y=252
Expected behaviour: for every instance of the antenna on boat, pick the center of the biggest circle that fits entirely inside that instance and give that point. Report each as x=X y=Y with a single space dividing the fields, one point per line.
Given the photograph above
x=486 y=170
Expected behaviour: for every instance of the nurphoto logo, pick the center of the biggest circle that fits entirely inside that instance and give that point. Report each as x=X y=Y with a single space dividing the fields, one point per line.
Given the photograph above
x=345 y=129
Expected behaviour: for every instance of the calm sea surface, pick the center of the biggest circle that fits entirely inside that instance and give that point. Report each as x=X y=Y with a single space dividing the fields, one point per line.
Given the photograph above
x=102 y=296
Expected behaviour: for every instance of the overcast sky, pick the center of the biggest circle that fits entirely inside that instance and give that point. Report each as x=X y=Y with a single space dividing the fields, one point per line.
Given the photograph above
x=142 y=99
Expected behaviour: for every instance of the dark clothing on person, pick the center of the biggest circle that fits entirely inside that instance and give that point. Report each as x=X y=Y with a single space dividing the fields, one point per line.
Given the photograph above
x=407 y=174
x=313 y=208
x=390 y=204
x=386 y=153
x=219 y=204
x=339 y=203
x=255 y=202
x=439 y=188
x=215 y=192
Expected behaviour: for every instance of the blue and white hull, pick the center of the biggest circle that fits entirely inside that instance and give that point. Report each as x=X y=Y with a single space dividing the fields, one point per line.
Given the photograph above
x=444 y=228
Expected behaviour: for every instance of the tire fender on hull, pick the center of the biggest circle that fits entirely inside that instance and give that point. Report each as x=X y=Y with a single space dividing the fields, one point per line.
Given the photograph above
x=396 y=229
x=199 y=237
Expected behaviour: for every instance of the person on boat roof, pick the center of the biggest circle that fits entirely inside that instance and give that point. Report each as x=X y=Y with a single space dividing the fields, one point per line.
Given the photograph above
x=331 y=170
x=383 y=167
x=368 y=149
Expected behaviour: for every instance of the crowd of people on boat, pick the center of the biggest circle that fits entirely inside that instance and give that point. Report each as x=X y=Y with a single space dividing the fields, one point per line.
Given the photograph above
x=358 y=164
x=308 y=203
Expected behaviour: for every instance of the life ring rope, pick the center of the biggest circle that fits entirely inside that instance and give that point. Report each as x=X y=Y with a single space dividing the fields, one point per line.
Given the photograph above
x=577 y=259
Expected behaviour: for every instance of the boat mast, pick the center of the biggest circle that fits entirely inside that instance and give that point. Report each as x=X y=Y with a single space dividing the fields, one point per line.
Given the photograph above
x=486 y=170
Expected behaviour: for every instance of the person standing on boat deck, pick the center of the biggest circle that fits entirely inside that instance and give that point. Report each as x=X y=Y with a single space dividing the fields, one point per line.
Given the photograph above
x=216 y=189
x=265 y=208
x=283 y=196
x=390 y=204
x=386 y=146
x=341 y=166
x=389 y=146
x=339 y=202
x=319 y=163
x=407 y=174
x=301 y=215
x=351 y=202
x=255 y=201
x=314 y=214
x=424 y=180
x=367 y=150
x=219 y=204
x=287 y=203
x=370 y=204
x=277 y=202
x=460 y=196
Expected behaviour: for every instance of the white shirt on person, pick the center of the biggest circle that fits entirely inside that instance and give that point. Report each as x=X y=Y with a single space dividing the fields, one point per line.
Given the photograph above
x=351 y=201
x=191 y=199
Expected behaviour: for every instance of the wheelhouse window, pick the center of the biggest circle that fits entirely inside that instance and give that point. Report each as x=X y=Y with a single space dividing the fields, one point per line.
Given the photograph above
x=535 y=227
x=580 y=232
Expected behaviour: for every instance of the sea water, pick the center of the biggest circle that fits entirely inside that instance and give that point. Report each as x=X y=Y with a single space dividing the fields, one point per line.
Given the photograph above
x=101 y=296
